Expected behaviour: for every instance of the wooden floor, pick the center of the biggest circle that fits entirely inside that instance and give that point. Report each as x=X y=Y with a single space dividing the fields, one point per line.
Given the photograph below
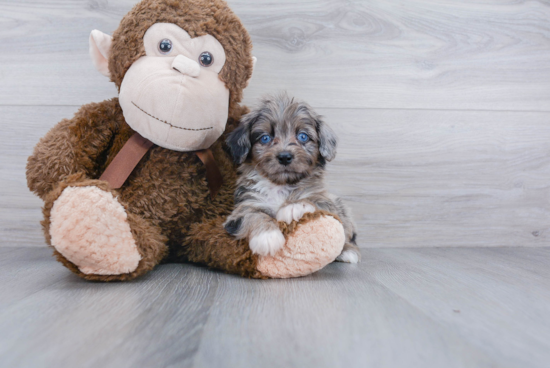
x=424 y=307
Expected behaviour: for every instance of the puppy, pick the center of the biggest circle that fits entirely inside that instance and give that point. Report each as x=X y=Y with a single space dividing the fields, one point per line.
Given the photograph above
x=283 y=147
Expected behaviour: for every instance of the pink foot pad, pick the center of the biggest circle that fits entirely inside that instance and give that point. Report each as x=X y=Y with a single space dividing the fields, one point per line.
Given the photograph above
x=311 y=244
x=90 y=228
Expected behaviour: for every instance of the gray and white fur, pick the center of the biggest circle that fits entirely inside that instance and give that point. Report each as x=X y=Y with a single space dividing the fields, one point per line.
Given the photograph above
x=283 y=147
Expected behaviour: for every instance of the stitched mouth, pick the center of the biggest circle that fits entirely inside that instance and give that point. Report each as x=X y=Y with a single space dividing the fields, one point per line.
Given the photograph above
x=167 y=123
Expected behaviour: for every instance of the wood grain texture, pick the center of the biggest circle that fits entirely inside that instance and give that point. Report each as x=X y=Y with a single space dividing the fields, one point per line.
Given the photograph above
x=426 y=160
x=438 y=54
x=492 y=292
x=445 y=307
x=412 y=178
x=77 y=324
x=20 y=210
x=444 y=178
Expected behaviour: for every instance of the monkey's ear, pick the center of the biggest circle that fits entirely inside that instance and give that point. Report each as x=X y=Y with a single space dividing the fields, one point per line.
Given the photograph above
x=100 y=47
x=327 y=140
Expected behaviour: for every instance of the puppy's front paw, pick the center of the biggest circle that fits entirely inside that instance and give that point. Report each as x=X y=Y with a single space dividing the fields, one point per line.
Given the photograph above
x=350 y=255
x=294 y=211
x=267 y=243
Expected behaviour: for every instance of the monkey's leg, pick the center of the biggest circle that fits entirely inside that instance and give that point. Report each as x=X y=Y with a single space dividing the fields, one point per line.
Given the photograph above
x=312 y=243
x=95 y=236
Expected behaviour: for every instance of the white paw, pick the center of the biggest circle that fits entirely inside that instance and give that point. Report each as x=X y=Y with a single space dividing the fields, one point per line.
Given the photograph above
x=294 y=211
x=348 y=256
x=267 y=243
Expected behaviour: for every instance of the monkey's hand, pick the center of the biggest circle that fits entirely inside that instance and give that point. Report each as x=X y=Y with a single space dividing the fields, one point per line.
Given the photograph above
x=311 y=243
x=294 y=211
x=75 y=146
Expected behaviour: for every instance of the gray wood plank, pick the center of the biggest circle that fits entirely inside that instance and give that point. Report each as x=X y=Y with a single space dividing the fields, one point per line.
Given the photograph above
x=335 y=53
x=20 y=210
x=413 y=178
x=74 y=323
x=340 y=317
x=419 y=178
x=25 y=272
x=478 y=293
x=429 y=307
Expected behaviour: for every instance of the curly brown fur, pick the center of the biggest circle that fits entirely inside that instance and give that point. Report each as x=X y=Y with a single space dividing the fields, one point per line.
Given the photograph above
x=237 y=258
x=198 y=18
x=166 y=196
x=76 y=146
x=167 y=189
x=283 y=146
x=289 y=229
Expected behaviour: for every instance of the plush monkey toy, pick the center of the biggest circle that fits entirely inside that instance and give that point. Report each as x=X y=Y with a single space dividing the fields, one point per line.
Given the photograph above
x=145 y=178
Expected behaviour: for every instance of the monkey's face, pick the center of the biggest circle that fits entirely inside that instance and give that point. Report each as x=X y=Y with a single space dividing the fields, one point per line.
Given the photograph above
x=173 y=95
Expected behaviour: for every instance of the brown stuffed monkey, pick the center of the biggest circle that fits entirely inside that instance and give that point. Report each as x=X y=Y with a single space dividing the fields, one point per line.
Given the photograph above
x=146 y=178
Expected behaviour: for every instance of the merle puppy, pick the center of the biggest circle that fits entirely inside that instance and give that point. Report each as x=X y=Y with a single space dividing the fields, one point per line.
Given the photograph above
x=283 y=147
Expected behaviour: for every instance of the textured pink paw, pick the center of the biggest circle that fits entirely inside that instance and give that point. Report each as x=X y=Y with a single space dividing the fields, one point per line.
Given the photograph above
x=312 y=246
x=90 y=228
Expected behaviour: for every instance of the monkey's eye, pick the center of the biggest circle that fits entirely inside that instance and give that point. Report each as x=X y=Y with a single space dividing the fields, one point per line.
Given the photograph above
x=265 y=139
x=303 y=137
x=165 y=46
x=206 y=59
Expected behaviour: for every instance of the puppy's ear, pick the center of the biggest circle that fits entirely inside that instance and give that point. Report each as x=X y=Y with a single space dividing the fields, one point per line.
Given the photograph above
x=327 y=140
x=239 y=143
x=239 y=139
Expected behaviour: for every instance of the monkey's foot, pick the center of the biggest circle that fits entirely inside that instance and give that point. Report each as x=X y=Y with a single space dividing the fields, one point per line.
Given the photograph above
x=90 y=228
x=312 y=243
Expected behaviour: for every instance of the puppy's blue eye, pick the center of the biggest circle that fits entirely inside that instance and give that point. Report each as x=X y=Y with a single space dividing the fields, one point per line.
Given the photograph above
x=303 y=137
x=265 y=139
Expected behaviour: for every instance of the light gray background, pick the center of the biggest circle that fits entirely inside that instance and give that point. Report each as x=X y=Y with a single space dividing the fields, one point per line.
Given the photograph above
x=442 y=107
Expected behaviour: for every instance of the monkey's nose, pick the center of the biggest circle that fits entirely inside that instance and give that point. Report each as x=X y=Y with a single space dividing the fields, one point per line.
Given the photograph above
x=186 y=66
x=285 y=158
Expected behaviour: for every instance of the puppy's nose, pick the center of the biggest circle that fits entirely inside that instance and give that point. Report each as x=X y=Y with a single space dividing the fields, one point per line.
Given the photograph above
x=285 y=158
x=186 y=66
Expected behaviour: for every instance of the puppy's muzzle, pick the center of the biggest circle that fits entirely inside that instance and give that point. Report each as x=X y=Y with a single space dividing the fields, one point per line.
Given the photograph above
x=285 y=158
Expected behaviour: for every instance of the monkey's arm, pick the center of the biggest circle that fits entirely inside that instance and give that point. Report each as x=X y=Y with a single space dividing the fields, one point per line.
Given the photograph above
x=305 y=247
x=312 y=243
x=75 y=146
